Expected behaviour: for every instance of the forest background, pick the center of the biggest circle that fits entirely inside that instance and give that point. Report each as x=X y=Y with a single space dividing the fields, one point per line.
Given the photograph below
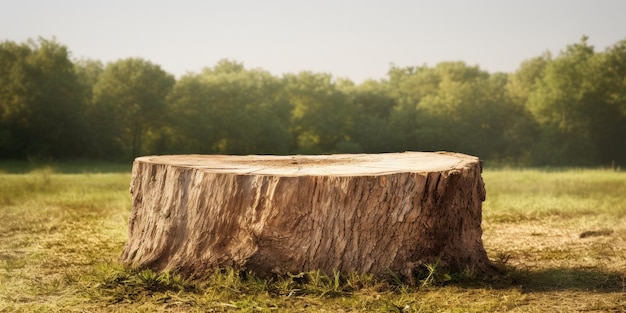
x=563 y=110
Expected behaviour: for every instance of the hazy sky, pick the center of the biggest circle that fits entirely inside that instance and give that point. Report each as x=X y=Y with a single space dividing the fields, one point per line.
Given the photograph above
x=351 y=39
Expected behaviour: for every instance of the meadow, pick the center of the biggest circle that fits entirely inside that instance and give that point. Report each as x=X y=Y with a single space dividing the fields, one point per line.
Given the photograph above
x=558 y=236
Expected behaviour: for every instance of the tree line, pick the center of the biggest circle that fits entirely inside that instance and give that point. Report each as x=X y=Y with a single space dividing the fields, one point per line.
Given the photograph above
x=563 y=110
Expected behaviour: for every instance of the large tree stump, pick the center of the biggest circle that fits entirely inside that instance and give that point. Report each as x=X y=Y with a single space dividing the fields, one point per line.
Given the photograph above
x=372 y=213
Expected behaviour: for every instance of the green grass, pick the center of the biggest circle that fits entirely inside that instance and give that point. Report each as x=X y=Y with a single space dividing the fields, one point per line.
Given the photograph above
x=63 y=227
x=515 y=195
x=65 y=167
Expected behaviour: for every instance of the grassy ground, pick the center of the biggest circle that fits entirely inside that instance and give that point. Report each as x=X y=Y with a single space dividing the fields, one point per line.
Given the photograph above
x=560 y=236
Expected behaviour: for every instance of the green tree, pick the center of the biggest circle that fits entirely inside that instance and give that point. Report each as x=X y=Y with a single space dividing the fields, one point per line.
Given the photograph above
x=417 y=91
x=192 y=126
x=40 y=106
x=613 y=144
x=321 y=115
x=88 y=72
x=371 y=106
x=228 y=109
x=572 y=106
x=525 y=80
x=459 y=108
x=129 y=106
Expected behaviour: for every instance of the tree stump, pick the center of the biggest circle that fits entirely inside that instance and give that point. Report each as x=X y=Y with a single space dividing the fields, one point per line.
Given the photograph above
x=369 y=213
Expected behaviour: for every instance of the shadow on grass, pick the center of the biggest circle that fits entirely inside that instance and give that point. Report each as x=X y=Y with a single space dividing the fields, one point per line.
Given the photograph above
x=562 y=279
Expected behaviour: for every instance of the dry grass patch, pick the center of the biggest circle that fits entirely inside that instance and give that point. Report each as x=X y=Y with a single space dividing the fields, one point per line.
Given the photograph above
x=562 y=235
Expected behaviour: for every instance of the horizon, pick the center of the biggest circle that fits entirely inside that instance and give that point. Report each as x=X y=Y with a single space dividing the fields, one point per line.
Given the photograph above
x=350 y=39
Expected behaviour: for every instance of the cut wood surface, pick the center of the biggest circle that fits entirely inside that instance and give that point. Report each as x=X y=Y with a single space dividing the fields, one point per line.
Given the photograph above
x=374 y=213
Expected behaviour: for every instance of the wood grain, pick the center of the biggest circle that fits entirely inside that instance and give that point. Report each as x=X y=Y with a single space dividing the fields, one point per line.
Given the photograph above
x=370 y=213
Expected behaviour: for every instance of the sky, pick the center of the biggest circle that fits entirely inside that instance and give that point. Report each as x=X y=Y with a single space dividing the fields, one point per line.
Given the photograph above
x=357 y=40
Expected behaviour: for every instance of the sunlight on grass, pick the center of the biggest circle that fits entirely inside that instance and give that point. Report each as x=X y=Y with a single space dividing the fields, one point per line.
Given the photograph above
x=54 y=226
x=61 y=235
x=531 y=194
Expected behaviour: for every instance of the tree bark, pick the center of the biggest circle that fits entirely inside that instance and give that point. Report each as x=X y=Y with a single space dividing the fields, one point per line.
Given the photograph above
x=373 y=213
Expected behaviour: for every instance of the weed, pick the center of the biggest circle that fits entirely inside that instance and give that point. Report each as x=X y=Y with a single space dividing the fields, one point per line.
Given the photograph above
x=320 y=284
x=432 y=275
x=502 y=260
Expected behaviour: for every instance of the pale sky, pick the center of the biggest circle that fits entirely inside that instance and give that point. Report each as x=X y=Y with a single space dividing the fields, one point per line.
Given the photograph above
x=349 y=39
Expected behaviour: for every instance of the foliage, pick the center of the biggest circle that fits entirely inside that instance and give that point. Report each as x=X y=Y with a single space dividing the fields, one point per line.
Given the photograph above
x=40 y=110
x=566 y=109
x=570 y=102
x=228 y=109
x=459 y=108
x=129 y=105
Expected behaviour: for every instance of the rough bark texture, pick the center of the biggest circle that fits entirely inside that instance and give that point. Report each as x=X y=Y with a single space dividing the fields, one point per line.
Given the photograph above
x=275 y=214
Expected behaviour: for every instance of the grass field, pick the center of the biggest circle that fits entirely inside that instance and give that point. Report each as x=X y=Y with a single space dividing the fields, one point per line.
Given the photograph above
x=559 y=236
